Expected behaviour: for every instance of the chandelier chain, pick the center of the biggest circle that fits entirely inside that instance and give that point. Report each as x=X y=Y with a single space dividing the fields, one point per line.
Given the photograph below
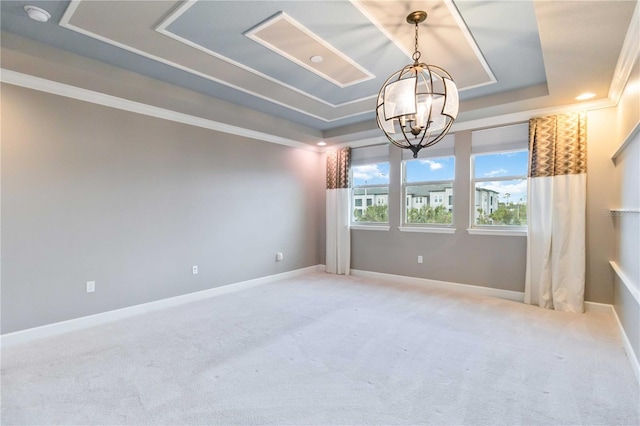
x=416 y=54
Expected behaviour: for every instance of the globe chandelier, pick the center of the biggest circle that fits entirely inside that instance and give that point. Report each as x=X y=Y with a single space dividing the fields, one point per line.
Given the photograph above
x=417 y=104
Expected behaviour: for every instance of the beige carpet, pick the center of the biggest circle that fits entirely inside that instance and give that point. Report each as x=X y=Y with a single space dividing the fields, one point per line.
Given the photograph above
x=327 y=350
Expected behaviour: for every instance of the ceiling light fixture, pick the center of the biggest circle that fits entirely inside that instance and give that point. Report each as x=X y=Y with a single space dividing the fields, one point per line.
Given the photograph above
x=316 y=59
x=418 y=103
x=321 y=143
x=37 y=14
x=585 y=96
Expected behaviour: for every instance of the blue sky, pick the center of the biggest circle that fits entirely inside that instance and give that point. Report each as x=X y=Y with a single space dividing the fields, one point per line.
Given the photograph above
x=371 y=174
x=429 y=169
x=443 y=168
x=503 y=164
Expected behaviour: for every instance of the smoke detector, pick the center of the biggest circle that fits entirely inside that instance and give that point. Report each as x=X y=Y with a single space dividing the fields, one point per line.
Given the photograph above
x=37 y=14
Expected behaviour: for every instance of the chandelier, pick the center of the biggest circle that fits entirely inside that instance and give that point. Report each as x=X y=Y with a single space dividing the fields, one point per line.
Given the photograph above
x=418 y=104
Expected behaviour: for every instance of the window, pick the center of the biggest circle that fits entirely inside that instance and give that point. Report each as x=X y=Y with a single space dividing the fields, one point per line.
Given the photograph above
x=370 y=186
x=428 y=188
x=499 y=164
x=500 y=188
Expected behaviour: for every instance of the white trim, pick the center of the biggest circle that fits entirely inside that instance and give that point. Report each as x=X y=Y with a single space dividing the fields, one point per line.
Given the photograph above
x=631 y=136
x=428 y=229
x=370 y=227
x=518 y=117
x=631 y=355
x=81 y=323
x=516 y=296
x=598 y=308
x=453 y=10
x=492 y=121
x=285 y=17
x=603 y=308
x=61 y=89
x=626 y=281
x=472 y=42
x=161 y=29
x=627 y=57
x=497 y=232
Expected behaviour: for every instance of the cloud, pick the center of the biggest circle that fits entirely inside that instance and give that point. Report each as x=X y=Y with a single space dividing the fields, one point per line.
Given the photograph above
x=515 y=189
x=368 y=172
x=433 y=165
x=498 y=172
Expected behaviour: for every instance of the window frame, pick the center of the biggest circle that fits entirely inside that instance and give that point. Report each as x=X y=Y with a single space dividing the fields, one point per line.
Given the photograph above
x=511 y=230
x=356 y=224
x=426 y=227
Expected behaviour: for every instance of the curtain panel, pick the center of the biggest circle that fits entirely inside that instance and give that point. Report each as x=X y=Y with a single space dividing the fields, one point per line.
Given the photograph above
x=556 y=212
x=338 y=241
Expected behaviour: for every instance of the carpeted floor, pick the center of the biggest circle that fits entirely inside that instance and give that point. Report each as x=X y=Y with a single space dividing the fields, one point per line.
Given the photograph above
x=322 y=349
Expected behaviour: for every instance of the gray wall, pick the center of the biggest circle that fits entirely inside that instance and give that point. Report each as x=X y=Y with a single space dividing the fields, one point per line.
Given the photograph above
x=489 y=261
x=91 y=193
x=601 y=195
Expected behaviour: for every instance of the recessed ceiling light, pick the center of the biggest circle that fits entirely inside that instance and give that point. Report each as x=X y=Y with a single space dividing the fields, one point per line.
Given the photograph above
x=316 y=59
x=37 y=14
x=585 y=96
x=321 y=143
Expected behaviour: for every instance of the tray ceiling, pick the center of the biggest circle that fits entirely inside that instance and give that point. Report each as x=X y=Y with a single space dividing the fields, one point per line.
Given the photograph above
x=258 y=54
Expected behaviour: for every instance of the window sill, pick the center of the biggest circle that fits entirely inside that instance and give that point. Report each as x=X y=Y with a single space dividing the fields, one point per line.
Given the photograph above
x=370 y=227
x=498 y=232
x=428 y=229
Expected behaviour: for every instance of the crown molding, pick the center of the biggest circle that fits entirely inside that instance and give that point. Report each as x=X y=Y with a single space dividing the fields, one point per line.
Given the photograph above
x=43 y=85
x=628 y=57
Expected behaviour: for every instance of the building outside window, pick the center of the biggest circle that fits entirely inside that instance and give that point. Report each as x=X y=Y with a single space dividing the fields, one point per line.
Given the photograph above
x=499 y=164
x=428 y=190
x=500 y=188
x=370 y=185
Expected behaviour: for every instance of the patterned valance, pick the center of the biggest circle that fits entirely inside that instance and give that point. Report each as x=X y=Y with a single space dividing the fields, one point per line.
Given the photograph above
x=558 y=145
x=338 y=164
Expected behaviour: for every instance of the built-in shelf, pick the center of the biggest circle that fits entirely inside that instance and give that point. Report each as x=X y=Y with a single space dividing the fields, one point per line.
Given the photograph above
x=632 y=134
x=635 y=292
x=619 y=212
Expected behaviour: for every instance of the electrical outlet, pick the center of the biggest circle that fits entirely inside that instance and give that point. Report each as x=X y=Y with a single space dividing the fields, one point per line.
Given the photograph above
x=419 y=259
x=279 y=256
x=194 y=269
x=91 y=286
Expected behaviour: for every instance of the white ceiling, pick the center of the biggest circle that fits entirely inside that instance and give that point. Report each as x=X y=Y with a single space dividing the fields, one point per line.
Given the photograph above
x=505 y=56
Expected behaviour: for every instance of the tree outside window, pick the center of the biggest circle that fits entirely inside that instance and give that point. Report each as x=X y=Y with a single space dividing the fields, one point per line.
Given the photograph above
x=370 y=193
x=427 y=184
x=500 y=188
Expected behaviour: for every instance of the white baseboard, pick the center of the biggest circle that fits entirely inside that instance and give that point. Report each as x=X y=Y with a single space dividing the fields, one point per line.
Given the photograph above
x=62 y=327
x=516 y=296
x=600 y=308
x=633 y=359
